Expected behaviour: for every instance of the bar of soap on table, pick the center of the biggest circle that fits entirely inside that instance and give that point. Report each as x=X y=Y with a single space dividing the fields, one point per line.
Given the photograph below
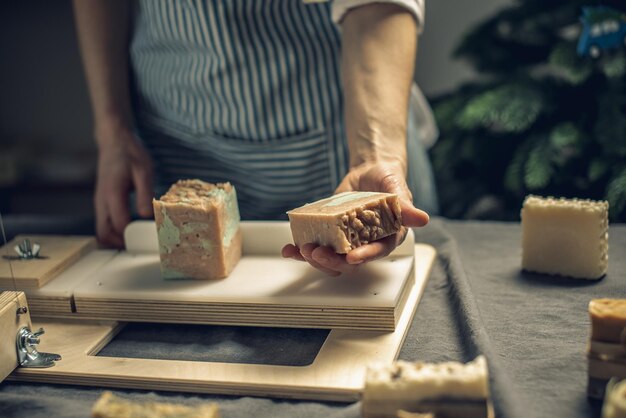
x=568 y=237
x=447 y=390
x=615 y=400
x=198 y=230
x=111 y=406
x=346 y=220
x=607 y=348
x=405 y=414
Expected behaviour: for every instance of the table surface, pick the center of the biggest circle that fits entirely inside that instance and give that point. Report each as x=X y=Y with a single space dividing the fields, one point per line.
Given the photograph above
x=532 y=328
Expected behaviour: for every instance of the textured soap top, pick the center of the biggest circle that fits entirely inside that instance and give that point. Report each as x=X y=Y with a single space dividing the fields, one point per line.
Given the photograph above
x=346 y=220
x=340 y=203
x=549 y=203
x=608 y=308
x=615 y=400
x=422 y=381
x=608 y=320
x=195 y=192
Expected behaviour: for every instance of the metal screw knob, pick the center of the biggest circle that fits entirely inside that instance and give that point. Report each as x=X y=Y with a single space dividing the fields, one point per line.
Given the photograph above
x=27 y=354
x=31 y=341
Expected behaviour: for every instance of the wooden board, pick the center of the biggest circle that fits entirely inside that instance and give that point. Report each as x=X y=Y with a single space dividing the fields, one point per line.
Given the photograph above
x=263 y=290
x=56 y=298
x=10 y=323
x=336 y=374
x=61 y=252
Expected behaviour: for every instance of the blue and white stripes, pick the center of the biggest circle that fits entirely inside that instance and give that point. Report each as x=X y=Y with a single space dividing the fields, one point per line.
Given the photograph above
x=247 y=91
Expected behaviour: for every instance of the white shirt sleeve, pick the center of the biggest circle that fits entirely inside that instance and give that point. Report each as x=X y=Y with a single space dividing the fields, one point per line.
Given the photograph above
x=415 y=7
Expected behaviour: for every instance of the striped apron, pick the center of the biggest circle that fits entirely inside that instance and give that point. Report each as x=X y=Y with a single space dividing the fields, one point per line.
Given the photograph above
x=242 y=91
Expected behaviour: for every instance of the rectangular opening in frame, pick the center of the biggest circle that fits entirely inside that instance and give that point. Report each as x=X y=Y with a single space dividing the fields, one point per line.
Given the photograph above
x=218 y=344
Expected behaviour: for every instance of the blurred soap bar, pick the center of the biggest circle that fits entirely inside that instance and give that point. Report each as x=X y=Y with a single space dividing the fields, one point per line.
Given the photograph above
x=111 y=406
x=608 y=320
x=198 y=230
x=450 y=389
x=346 y=220
x=405 y=414
x=568 y=237
x=615 y=400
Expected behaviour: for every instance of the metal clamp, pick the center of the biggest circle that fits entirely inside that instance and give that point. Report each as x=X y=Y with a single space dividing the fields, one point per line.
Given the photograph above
x=26 y=251
x=27 y=354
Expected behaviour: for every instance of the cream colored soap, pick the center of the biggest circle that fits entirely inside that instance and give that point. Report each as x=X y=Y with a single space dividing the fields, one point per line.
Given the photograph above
x=346 y=220
x=608 y=320
x=405 y=414
x=615 y=400
x=448 y=389
x=568 y=237
x=111 y=406
x=198 y=230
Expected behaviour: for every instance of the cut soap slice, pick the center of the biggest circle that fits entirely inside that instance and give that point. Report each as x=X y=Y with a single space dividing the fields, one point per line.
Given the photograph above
x=198 y=230
x=111 y=406
x=346 y=220
x=446 y=389
x=608 y=320
x=568 y=237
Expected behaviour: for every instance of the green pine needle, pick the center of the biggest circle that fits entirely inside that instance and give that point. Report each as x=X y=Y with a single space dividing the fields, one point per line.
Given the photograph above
x=514 y=176
x=616 y=193
x=597 y=169
x=538 y=169
x=614 y=66
x=508 y=108
x=447 y=110
x=568 y=64
x=565 y=135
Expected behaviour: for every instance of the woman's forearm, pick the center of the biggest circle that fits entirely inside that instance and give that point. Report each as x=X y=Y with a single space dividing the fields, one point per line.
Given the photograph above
x=378 y=59
x=103 y=31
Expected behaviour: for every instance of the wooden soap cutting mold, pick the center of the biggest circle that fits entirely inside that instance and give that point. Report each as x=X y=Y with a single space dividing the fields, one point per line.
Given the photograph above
x=336 y=374
x=263 y=290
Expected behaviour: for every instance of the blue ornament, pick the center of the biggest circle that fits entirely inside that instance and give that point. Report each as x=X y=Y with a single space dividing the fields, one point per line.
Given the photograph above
x=604 y=28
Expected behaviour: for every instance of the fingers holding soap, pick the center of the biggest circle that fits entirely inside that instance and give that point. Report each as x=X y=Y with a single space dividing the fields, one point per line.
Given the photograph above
x=291 y=251
x=307 y=253
x=412 y=216
x=322 y=258
x=329 y=259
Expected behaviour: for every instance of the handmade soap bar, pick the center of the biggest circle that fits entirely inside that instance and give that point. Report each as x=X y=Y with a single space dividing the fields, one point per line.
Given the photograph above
x=346 y=220
x=615 y=400
x=568 y=237
x=111 y=406
x=607 y=349
x=445 y=389
x=608 y=320
x=405 y=414
x=198 y=230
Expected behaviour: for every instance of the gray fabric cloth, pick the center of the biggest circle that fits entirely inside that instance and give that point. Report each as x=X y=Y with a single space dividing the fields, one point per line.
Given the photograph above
x=532 y=328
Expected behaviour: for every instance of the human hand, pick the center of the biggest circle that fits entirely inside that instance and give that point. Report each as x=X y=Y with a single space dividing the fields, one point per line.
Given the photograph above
x=375 y=177
x=123 y=165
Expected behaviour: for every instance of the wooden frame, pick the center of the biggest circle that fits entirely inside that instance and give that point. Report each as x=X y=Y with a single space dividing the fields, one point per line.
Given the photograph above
x=263 y=290
x=336 y=374
x=60 y=253
x=10 y=324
